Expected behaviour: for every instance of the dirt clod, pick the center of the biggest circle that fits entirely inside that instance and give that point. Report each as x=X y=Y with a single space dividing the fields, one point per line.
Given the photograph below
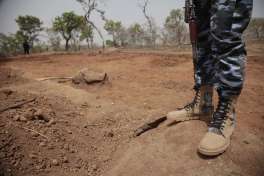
x=16 y=118
x=23 y=119
x=55 y=162
x=42 y=144
x=33 y=156
x=29 y=114
x=40 y=115
x=65 y=159
x=7 y=92
x=109 y=134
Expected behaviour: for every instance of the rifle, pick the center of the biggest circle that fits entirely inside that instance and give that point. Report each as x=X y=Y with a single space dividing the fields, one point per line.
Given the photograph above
x=190 y=18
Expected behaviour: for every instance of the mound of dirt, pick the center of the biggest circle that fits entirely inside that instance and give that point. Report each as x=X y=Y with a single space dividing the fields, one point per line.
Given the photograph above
x=46 y=136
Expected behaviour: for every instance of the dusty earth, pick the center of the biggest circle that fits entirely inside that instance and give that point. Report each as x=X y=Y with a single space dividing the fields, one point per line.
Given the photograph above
x=81 y=130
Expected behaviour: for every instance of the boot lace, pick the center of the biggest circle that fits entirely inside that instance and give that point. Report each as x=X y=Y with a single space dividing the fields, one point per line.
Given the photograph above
x=194 y=103
x=220 y=114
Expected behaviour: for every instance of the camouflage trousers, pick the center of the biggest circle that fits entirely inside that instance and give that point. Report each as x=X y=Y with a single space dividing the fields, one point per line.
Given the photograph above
x=220 y=48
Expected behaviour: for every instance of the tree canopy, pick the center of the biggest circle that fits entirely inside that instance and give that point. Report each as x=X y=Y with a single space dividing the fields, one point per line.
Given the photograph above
x=136 y=33
x=75 y=30
x=91 y=7
x=87 y=34
x=29 y=27
x=66 y=24
x=175 y=27
x=113 y=28
x=9 y=44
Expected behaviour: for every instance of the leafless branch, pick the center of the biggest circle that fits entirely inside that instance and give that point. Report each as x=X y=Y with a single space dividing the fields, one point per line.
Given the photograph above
x=144 y=7
x=52 y=78
x=34 y=131
x=90 y=6
x=17 y=105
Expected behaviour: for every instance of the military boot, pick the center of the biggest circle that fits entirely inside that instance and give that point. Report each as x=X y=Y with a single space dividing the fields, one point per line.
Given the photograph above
x=201 y=106
x=221 y=127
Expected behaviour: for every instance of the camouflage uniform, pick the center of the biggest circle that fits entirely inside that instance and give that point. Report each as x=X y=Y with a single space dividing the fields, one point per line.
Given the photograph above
x=221 y=59
x=221 y=50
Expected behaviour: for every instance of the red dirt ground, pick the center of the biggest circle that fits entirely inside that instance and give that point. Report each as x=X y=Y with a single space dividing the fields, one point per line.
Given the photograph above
x=90 y=128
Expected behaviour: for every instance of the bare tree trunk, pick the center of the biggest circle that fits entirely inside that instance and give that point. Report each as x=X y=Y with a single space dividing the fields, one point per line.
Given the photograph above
x=99 y=33
x=67 y=44
x=91 y=42
x=144 y=10
x=90 y=6
x=88 y=43
x=257 y=33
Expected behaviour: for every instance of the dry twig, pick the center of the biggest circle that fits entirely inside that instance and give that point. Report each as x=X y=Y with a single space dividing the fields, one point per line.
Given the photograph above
x=17 y=105
x=52 y=78
x=35 y=132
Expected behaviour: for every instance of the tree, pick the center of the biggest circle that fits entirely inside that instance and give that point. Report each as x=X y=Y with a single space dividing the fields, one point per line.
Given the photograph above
x=9 y=44
x=87 y=34
x=114 y=28
x=122 y=36
x=175 y=27
x=109 y=43
x=90 y=7
x=29 y=27
x=40 y=46
x=136 y=33
x=66 y=24
x=75 y=40
x=20 y=37
x=164 y=37
x=54 y=39
x=256 y=28
x=151 y=32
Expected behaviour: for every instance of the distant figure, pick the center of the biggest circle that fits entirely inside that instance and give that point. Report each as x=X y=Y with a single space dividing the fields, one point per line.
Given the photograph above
x=26 y=47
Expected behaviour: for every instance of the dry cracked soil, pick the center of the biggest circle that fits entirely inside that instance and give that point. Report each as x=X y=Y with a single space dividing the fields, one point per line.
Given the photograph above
x=53 y=127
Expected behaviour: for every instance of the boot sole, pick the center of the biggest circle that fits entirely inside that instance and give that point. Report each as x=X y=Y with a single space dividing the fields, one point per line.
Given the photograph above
x=213 y=152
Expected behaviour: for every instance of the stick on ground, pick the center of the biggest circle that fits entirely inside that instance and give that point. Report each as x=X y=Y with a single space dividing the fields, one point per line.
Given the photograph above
x=17 y=105
x=52 y=78
x=28 y=129
x=35 y=132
